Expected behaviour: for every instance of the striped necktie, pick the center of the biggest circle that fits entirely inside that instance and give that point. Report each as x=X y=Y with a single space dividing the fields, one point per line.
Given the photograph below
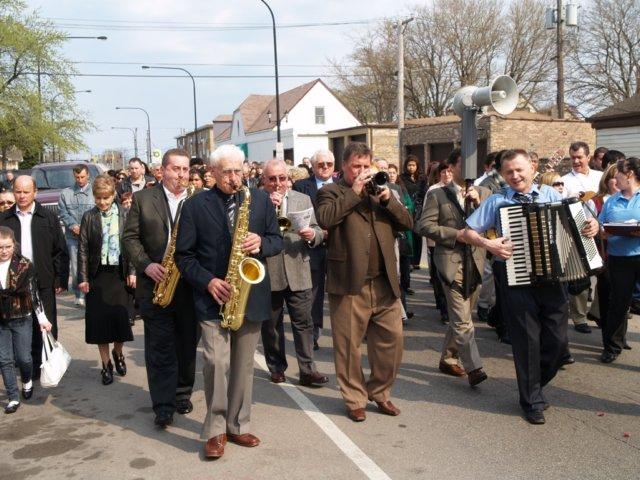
x=230 y=206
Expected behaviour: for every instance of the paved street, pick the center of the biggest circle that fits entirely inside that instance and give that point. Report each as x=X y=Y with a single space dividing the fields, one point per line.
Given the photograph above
x=83 y=429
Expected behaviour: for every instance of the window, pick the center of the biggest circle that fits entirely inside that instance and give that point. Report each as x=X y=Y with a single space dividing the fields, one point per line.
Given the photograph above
x=319 y=115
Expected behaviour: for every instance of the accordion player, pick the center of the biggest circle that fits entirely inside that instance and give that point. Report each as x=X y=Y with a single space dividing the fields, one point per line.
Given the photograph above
x=547 y=243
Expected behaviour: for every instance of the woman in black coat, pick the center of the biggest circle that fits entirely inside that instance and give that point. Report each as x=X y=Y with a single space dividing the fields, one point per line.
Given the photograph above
x=416 y=186
x=103 y=274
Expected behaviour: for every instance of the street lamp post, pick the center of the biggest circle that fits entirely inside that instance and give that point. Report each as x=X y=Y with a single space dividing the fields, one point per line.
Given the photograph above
x=53 y=143
x=279 y=147
x=195 y=108
x=148 y=128
x=101 y=37
x=133 y=130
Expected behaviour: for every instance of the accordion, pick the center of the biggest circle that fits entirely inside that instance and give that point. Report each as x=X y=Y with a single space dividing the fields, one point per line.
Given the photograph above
x=547 y=243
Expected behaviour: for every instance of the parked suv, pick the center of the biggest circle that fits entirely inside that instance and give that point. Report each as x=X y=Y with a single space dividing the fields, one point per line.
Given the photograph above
x=52 y=178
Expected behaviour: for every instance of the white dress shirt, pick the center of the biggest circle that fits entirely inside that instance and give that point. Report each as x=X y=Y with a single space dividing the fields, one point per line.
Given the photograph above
x=174 y=201
x=26 y=245
x=574 y=182
x=4 y=272
x=322 y=183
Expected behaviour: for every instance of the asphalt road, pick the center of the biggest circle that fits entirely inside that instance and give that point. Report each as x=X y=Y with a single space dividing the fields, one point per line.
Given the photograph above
x=82 y=429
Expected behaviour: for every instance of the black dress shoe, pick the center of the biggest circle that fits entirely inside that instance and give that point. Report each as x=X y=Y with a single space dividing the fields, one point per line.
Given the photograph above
x=184 y=406
x=12 y=407
x=410 y=291
x=118 y=360
x=316 y=347
x=410 y=314
x=163 y=419
x=27 y=393
x=535 y=417
x=583 y=328
x=107 y=373
x=625 y=345
x=608 y=357
x=315 y=379
x=568 y=360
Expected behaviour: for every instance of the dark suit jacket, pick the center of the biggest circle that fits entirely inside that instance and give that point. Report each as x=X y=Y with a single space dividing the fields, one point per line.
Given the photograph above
x=146 y=234
x=50 y=254
x=90 y=246
x=309 y=187
x=346 y=216
x=204 y=247
x=440 y=221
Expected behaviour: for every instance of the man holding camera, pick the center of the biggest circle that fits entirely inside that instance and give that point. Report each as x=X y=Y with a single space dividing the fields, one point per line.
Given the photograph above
x=362 y=281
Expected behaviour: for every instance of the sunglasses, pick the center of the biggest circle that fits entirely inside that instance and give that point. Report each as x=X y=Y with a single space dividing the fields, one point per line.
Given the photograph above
x=558 y=184
x=8 y=202
x=324 y=164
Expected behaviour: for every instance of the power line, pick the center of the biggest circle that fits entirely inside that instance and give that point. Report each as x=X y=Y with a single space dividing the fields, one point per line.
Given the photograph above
x=131 y=75
x=205 y=64
x=172 y=22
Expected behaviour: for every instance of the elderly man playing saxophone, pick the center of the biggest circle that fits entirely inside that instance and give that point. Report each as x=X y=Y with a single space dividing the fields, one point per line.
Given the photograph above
x=204 y=250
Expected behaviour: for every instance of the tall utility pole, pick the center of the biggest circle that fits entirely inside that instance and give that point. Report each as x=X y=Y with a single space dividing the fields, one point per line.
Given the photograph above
x=134 y=131
x=401 y=27
x=279 y=146
x=560 y=59
x=148 y=128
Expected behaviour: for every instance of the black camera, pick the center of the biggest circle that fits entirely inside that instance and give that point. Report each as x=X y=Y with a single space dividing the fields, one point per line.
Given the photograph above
x=380 y=179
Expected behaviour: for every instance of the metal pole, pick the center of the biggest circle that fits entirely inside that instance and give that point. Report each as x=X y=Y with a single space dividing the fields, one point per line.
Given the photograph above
x=469 y=143
x=560 y=59
x=148 y=129
x=401 y=27
x=195 y=108
x=275 y=60
x=135 y=141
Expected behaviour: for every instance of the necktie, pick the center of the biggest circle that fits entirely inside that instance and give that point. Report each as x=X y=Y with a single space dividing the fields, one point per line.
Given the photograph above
x=231 y=211
x=525 y=197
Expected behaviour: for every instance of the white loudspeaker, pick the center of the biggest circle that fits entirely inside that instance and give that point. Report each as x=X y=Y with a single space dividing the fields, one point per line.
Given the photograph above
x=501 y=94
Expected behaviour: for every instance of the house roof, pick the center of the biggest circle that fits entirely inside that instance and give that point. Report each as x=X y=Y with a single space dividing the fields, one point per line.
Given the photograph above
x=224 y=134
x=627 y=107
x=288 y=100
x=517 y=115
x=223 y=118
x=251 y=108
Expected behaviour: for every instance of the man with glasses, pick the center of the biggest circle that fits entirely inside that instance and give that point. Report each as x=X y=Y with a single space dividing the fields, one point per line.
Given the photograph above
x=7 y=200
x=290 y=276
x=323 y=164
x=73 y=203
x=203 y=250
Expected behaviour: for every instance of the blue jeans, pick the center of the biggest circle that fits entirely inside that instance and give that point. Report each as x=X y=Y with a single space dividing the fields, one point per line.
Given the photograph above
x=15 y=347
x=72 y=246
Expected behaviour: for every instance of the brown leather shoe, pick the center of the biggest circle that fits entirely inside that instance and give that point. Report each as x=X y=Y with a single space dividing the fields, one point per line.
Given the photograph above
x=357 y=415
x=453 y=370
x=388 y=408
x=477 y=376
x=278 y=377
x=244 y=439
x=315 y=379
x=214 y=448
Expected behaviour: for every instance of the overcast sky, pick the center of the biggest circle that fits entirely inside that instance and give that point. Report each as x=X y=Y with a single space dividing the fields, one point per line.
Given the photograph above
x=137 y=34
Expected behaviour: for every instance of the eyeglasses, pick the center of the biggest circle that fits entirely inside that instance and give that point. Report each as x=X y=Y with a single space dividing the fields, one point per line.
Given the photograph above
x=8 y=202
x=281 y=178
x=6 y=247
x=324 y=164
x=557 y=184
x=232 y=171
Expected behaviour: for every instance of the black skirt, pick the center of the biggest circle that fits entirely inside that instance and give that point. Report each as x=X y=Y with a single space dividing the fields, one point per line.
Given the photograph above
x=106 y=316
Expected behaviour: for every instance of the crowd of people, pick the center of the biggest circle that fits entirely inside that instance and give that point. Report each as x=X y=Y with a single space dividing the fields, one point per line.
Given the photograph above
x=358 y=244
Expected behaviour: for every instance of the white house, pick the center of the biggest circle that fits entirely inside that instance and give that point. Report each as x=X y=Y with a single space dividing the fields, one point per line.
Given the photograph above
x=618 y=126
x=307 y=113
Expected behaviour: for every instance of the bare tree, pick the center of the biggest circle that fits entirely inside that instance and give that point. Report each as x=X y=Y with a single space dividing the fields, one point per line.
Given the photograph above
x=528 y=50
x=605 y=56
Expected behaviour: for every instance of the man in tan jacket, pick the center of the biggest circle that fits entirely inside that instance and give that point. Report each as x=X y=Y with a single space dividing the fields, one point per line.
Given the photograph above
x=362 y=281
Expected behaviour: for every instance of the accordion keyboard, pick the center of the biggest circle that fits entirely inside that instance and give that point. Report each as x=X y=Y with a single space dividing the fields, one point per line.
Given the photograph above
x=513 y=224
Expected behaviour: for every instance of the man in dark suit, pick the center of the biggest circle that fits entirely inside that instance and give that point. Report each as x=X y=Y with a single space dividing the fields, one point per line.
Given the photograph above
x=362 y=281
x=39 y=233
x=170 y=333
x=137 y=180
x=323 y=164
x=203 y=253
x=291 y=282
x=460 y=268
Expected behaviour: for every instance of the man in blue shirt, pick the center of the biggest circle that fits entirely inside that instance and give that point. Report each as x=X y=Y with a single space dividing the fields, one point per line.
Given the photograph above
x=537 y=316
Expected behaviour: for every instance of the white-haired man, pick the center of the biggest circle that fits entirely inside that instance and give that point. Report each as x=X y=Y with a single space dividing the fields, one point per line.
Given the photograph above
x=203 y=250
x=323 y=164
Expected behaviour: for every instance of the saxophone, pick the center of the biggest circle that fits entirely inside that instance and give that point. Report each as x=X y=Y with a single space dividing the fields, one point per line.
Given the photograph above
x=243 y=271
x=163 y=291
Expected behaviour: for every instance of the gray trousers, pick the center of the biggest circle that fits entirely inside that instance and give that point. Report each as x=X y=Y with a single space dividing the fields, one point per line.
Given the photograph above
x=299 y=308
x=460 y=340
x=578 y=307
x=487 y=298
x=228 y=377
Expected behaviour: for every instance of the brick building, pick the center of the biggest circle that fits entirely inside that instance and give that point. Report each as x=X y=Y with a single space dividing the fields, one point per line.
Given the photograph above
x=431 y=139
x=381 y=138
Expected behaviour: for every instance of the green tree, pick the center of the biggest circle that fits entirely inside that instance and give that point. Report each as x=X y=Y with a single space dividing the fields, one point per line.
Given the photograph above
x=37 y=106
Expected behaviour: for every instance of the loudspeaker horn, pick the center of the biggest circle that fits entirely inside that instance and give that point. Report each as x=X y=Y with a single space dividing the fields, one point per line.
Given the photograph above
x=501 y=94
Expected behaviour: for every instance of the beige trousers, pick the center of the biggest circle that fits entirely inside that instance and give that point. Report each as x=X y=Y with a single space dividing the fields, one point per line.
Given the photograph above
x=228 y=377
x=375 y=312
x=460 y=340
